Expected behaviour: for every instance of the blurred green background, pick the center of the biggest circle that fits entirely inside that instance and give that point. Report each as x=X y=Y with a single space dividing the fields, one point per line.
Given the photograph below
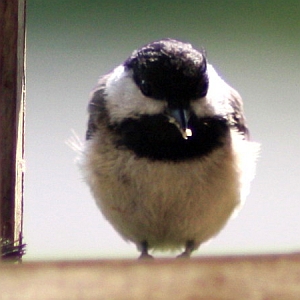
x=254 y=45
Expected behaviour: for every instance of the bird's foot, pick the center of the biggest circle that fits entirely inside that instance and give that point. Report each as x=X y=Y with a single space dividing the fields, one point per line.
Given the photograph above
x=144 y=250
x=189 y=248
x=146 y=256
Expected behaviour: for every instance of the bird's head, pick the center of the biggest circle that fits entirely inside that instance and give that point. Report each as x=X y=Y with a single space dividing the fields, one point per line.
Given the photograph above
x=162 y=77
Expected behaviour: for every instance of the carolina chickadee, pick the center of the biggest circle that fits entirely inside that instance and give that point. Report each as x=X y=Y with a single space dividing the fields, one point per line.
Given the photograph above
x=167 y=153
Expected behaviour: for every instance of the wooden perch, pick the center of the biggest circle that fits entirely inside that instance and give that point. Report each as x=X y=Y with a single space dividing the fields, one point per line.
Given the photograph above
x=266 y=277
x=12 y=90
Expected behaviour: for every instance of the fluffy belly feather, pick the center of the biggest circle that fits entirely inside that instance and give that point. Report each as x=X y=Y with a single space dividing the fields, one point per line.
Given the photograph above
x=165 y=203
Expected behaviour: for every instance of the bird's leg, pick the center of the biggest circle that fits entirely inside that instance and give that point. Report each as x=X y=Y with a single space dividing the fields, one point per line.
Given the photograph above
x=144 y=251
x=189 y=248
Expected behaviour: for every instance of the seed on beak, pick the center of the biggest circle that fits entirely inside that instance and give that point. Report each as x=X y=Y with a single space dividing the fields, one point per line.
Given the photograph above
x=188 y=132
x=180 y=117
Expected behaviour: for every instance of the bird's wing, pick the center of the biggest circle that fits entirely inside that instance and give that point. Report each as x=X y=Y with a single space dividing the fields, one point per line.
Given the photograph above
x=96 y=107
x=236 y=117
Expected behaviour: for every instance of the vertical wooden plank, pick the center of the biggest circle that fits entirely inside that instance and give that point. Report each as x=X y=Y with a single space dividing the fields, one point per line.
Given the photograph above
x=12 y=99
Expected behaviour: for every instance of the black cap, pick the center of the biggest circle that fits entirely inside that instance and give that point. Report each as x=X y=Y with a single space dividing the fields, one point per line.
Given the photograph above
x=170 y=70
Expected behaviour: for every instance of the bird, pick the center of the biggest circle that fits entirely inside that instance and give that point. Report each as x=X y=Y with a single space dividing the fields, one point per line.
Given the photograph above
x=168 y=156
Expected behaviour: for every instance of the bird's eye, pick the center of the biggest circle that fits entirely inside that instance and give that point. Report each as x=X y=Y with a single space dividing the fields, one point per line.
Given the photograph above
x=145 y=88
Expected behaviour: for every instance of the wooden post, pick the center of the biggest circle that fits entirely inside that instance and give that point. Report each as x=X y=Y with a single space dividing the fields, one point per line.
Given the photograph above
x=12 y=99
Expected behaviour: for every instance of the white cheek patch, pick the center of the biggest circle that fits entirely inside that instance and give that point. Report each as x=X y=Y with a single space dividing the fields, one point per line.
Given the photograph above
x=215 y=103
x=125 y=100
x=202 y=108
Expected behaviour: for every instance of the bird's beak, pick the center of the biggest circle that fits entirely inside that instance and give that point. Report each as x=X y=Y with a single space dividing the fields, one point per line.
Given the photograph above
x=180 y=117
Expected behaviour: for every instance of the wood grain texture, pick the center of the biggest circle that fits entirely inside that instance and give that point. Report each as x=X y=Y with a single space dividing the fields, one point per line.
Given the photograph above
x=12 y=90
x=267 y=277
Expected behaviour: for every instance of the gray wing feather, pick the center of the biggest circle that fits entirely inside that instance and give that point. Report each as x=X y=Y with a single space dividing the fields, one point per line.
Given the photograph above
x=97 y=107
x=237 y=118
